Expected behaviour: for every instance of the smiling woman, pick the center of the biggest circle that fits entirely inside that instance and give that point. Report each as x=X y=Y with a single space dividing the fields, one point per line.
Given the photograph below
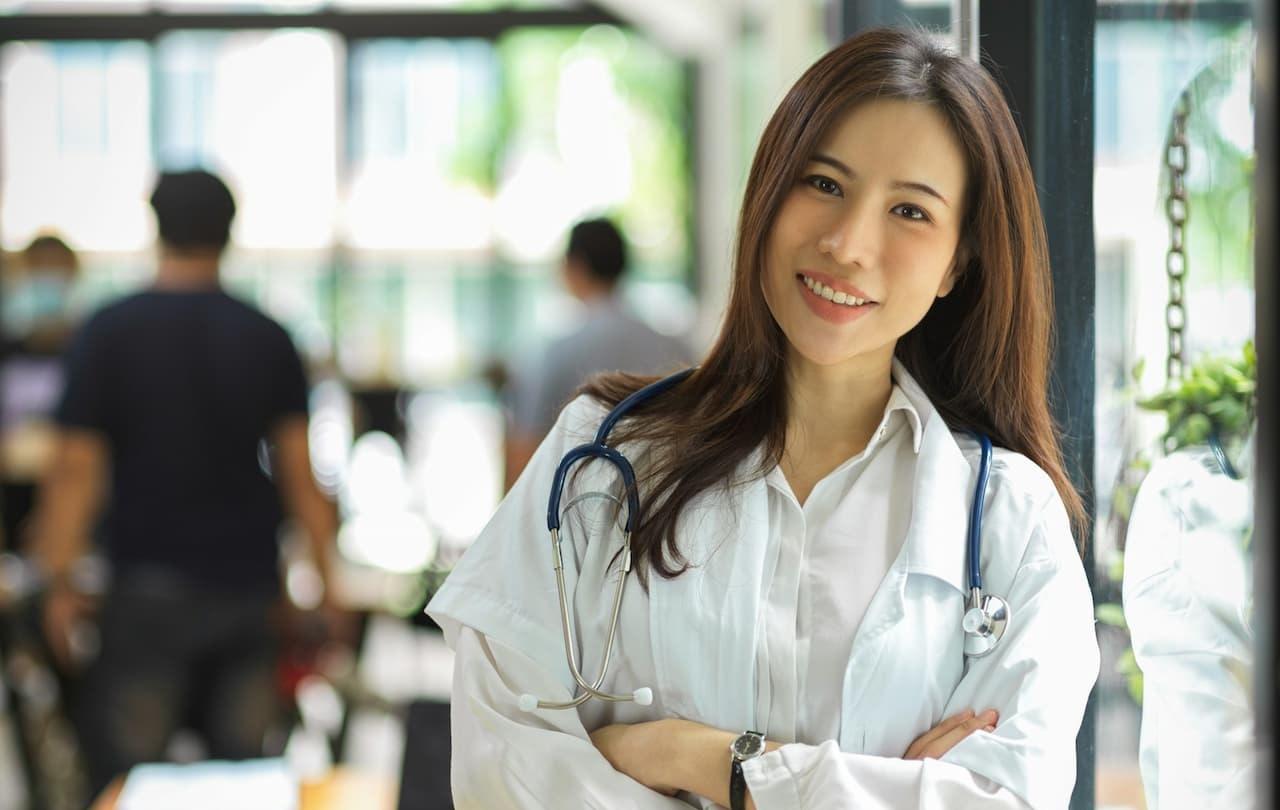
x=795 y=627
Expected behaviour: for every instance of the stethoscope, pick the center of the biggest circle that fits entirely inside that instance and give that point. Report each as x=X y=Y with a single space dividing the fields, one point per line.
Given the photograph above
x=985 y=621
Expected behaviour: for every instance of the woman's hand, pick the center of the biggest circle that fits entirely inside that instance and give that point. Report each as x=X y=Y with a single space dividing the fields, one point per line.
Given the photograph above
x=943 y=737
x=672 y=755
x=642 y=751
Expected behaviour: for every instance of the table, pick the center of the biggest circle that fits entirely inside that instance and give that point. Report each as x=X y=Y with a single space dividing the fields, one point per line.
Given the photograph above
x=340 y=789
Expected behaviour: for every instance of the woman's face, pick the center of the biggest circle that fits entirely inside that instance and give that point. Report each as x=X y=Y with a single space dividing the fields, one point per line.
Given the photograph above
x=866 y=239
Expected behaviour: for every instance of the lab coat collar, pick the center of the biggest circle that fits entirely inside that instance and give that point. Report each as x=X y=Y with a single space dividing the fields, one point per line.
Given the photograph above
x=907 y=397
x=941 y=495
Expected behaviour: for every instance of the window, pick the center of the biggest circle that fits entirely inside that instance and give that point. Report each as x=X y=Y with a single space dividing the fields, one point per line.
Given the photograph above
x=1158 y=580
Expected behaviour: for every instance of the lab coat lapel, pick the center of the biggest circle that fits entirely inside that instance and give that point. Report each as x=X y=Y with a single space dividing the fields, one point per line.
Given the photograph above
x=934 y=547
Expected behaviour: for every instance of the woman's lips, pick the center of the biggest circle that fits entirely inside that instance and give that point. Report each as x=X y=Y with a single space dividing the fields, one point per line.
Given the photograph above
x=837 y=284
x=830 y=311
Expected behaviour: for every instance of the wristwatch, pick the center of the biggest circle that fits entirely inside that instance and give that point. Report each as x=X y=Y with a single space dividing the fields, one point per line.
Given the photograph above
x=747 y=745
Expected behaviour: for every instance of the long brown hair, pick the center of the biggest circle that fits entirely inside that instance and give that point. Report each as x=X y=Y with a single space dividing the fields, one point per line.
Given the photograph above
x=981 y=354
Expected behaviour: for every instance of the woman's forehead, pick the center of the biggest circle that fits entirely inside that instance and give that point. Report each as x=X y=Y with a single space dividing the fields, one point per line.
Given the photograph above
x=893 y=137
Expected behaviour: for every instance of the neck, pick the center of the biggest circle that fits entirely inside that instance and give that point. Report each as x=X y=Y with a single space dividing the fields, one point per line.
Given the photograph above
x=834 y=410
x=587 y=288
x=187 y=270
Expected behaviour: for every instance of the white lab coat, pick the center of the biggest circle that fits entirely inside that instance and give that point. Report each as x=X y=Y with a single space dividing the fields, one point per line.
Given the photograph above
x=694 y=640
x=1187 y=591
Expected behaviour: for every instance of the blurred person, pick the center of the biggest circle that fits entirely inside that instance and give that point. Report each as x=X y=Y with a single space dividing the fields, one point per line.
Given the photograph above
x=609 y=338
x=183 y=426
x=1188 y=602
x=38 y=320
x=37 y=305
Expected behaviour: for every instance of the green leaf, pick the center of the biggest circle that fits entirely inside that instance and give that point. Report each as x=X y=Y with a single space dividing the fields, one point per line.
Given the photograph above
x=1138 y=368
x=1115 y=572
x=1196 y=429
x=1122 y=502
x=1158 y=402
x=1110 y=613
x=1134 y=684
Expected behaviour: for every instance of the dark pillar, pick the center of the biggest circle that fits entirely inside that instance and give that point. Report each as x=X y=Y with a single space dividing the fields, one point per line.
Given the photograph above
x=1042 y=51
x=1264 y=515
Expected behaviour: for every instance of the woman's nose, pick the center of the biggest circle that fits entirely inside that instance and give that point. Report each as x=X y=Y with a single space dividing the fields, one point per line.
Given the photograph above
x=853 y=238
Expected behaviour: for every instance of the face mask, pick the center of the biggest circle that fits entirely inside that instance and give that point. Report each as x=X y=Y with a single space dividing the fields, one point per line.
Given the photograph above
x=39 y=299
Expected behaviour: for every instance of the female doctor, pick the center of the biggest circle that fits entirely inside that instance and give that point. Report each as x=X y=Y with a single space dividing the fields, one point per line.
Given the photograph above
x=800 y=558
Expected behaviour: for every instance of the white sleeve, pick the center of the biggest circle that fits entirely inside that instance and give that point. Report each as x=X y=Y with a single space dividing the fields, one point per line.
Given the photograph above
x=507 y=758
x=822 y=776
x=1038 y=679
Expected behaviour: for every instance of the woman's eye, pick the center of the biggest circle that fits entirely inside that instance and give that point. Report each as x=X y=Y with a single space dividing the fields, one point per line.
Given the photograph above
x=824 y=184
x=913 y=212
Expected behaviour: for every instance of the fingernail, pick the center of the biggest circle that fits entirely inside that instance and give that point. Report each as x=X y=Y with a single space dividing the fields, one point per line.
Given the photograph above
x=990 y=715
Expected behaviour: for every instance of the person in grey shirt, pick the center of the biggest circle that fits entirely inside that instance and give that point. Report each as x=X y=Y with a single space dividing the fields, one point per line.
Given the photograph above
x=609 y=338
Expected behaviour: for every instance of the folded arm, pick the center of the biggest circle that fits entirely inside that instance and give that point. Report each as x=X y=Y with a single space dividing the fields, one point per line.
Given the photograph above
x=504 y=757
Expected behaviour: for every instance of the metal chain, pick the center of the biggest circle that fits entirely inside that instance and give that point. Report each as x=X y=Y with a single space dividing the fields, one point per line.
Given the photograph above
x=1176 y=207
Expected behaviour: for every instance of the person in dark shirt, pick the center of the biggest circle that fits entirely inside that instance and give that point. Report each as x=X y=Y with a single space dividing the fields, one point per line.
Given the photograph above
x=182 y=444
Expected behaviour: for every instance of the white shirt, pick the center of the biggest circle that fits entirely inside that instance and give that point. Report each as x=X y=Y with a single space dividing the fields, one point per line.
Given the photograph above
x=835 y=552
x=607 y=338
x=1187 y=595
x=728 y=643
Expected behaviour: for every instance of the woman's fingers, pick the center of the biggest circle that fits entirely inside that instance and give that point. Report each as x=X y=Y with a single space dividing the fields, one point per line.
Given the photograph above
x=942 y=728
x=943 y=737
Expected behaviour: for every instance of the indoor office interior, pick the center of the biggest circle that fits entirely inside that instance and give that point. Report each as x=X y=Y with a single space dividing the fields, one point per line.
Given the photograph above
x=406 y=174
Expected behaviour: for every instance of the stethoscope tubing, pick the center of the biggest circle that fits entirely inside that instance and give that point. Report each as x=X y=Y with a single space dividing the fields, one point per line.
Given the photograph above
x=975 y=515
x=599 y=448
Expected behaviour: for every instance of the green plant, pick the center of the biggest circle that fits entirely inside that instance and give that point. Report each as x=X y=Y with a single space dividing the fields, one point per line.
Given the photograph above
x=1112 y=614
x=1216 y=397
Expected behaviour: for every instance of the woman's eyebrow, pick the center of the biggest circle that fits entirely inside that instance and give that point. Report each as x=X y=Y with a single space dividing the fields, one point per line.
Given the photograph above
x=906 y=184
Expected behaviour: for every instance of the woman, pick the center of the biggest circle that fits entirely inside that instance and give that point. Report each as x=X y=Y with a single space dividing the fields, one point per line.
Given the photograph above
x=801 y=554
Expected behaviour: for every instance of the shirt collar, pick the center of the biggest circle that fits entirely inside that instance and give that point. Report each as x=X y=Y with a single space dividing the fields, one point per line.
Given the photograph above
x=900 y=401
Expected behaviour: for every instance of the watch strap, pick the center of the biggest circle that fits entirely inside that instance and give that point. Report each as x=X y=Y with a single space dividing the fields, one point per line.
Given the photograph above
x=737 y=779
x=737 y=786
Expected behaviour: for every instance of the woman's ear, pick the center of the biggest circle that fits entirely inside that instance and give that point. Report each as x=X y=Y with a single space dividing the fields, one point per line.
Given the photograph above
x=952 y=274
x=958 y=264
x=948 y=282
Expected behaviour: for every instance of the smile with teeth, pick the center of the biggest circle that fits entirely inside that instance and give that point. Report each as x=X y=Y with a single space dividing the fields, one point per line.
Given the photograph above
x=834 y=296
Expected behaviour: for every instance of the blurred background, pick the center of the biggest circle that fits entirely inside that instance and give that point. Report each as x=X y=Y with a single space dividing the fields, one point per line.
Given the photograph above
x=407 y=172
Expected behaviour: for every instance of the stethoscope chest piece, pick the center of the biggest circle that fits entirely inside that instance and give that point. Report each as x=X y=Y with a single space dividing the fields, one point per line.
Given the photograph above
x=985 y=623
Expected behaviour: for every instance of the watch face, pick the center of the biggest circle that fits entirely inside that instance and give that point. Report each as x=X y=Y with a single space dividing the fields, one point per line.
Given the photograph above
x=748 y=746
